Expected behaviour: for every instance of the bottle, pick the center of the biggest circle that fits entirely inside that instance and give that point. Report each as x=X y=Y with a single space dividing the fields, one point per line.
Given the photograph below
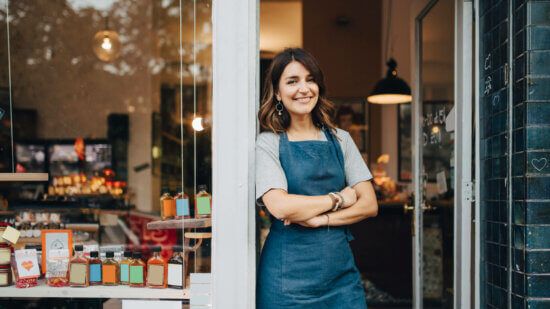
x=125 y=268
x=203 y=203
x=167 y=206
x=137 y=271
x=182 y=206
x=95 y=268
x=156 y=270
x=110 y=269
x=175 y=269
x=78 y=269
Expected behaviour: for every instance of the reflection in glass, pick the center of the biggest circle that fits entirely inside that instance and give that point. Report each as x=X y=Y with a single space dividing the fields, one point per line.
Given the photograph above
x=113 y=127
x=437 y=148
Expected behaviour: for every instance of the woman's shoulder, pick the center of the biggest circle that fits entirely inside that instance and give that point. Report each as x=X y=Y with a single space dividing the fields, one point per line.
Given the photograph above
x=342 y=135
x=267 y=138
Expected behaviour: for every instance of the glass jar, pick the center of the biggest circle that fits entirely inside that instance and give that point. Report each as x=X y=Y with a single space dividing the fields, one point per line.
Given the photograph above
x=5 y=275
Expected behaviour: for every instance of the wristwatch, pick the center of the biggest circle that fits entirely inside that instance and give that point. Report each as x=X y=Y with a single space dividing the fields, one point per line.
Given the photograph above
x=337 y=200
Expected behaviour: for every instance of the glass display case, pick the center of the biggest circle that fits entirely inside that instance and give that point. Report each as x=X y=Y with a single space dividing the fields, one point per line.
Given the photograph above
x=113 y=100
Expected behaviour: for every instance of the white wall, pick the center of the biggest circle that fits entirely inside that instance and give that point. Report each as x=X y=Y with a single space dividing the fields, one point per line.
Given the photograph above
x=280 y=25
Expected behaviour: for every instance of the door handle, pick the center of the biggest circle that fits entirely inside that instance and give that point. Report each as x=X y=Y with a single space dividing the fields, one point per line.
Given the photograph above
x=407 y=208
x=428 y=207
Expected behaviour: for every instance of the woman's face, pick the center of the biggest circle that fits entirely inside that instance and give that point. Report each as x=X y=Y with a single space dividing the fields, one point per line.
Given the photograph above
x=297 y=90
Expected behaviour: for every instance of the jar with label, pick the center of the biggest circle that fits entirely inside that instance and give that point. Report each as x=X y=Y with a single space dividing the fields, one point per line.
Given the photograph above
x=5 y=254
x=156 y=270
x=203 y=203
x=167 y=206
x=182 y=206
x=175 y=268
x=110 y=269
x=137 y=271
x=125 y=268
x=5 y=275
x=95 y=268
x=2 y=240
x=78 y=268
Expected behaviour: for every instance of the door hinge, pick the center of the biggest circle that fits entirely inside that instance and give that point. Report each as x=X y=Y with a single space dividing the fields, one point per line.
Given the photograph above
x=506 y=74
x=469 y=191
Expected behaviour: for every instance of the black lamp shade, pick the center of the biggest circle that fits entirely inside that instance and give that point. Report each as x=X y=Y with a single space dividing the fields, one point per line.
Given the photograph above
x=391 y=89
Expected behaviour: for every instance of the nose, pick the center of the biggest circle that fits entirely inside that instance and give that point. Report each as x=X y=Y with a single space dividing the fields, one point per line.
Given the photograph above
x=303 y=88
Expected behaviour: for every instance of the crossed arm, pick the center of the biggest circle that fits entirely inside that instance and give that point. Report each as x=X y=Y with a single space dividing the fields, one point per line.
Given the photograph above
x=312 y=211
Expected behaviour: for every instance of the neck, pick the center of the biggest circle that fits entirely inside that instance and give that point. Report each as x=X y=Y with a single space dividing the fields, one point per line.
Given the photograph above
x=301 y=124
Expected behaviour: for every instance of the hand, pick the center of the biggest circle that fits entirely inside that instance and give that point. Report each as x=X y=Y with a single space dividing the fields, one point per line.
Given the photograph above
x=313 y=222
x=350 y=197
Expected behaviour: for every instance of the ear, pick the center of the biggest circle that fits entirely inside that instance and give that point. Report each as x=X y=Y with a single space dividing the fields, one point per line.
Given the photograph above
x=278 y=97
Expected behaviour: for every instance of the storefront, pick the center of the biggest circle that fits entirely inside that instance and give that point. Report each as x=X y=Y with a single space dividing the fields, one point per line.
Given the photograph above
x=129 y=127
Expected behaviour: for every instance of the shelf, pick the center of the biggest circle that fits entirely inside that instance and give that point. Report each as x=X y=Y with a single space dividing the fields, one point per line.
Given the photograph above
x=179 y=224
x=121 y=291
x=24 y=177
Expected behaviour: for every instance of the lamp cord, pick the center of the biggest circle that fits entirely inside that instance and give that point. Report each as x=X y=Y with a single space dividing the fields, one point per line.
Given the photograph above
x=388 y=46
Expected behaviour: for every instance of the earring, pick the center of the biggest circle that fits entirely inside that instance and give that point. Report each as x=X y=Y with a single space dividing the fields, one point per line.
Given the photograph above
x=279 y=108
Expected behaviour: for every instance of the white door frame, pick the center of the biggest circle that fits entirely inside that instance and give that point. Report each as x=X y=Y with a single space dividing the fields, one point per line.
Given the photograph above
x=235 y=60
x=463 y=199
x=463 y=184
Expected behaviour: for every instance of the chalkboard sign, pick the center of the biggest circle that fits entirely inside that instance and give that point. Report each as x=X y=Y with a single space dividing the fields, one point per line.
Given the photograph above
x=437 y=143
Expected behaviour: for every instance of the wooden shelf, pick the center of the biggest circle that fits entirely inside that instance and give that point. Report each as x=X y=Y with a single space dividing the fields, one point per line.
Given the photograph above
x=121 y=291
x=179 y=224
x=8 y=177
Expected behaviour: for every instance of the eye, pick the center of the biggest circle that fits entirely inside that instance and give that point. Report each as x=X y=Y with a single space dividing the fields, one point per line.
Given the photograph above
x=292 y=81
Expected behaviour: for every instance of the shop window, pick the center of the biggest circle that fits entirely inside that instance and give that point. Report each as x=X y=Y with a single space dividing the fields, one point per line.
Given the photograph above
x=113 y=101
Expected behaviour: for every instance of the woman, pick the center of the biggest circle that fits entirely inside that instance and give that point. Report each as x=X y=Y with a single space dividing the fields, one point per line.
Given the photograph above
x=312 y=179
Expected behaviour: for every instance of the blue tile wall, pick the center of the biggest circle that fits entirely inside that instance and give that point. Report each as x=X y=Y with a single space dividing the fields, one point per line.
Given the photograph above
x=525 y=257
x=495 y=155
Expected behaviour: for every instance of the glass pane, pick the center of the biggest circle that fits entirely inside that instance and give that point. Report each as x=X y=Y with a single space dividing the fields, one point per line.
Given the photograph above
x=437 y=92
x=107 y=97
x=6 y=162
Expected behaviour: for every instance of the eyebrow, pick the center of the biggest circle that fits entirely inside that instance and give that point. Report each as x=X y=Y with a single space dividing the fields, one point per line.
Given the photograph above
x=296 y=76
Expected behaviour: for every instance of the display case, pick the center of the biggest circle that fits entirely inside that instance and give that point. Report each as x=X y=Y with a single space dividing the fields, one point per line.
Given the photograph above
x=121 y=95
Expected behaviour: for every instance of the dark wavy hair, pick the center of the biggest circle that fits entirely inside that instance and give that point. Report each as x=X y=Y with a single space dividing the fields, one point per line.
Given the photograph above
x=323 y=112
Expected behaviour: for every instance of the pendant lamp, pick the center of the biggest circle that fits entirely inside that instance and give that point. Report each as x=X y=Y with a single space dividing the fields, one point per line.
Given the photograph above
x=391 y=89
x=106 y=44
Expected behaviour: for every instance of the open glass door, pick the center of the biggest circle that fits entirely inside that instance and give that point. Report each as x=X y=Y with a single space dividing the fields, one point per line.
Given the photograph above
x=433 y=157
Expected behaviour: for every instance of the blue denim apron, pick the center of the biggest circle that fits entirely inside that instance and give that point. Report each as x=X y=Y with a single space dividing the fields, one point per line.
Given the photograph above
x=309 y=267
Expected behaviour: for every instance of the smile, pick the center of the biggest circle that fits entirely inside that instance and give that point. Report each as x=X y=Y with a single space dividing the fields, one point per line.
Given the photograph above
x=303 y=100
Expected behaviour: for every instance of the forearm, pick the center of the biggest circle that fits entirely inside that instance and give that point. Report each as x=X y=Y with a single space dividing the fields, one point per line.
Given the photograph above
x=362 y=209
x=295 y=207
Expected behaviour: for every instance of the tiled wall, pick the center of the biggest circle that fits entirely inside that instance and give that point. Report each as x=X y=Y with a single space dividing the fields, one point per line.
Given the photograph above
x=529 y=87
x=494 y=130
x=531 y=154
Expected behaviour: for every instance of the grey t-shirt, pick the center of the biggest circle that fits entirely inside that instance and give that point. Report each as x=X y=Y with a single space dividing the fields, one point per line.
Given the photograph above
x=270 y=174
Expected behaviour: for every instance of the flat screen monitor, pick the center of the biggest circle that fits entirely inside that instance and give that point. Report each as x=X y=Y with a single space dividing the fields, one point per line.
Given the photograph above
x=31 y=158
x=63 y=159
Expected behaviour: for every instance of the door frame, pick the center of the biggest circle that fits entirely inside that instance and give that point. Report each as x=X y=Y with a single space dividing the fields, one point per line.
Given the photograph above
x=235 y=62
x=464 y=187
x=463 y=198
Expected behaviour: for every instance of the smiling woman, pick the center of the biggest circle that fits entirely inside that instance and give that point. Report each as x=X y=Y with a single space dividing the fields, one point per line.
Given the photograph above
x=314 y=182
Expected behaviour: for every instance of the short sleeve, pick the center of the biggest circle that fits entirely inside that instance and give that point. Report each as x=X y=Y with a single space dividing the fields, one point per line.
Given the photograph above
x=355 y=166
x=269 y=172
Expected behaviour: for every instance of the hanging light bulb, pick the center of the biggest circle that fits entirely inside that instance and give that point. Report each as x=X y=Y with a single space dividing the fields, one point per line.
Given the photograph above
x=106 y=44
x=197 y=124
